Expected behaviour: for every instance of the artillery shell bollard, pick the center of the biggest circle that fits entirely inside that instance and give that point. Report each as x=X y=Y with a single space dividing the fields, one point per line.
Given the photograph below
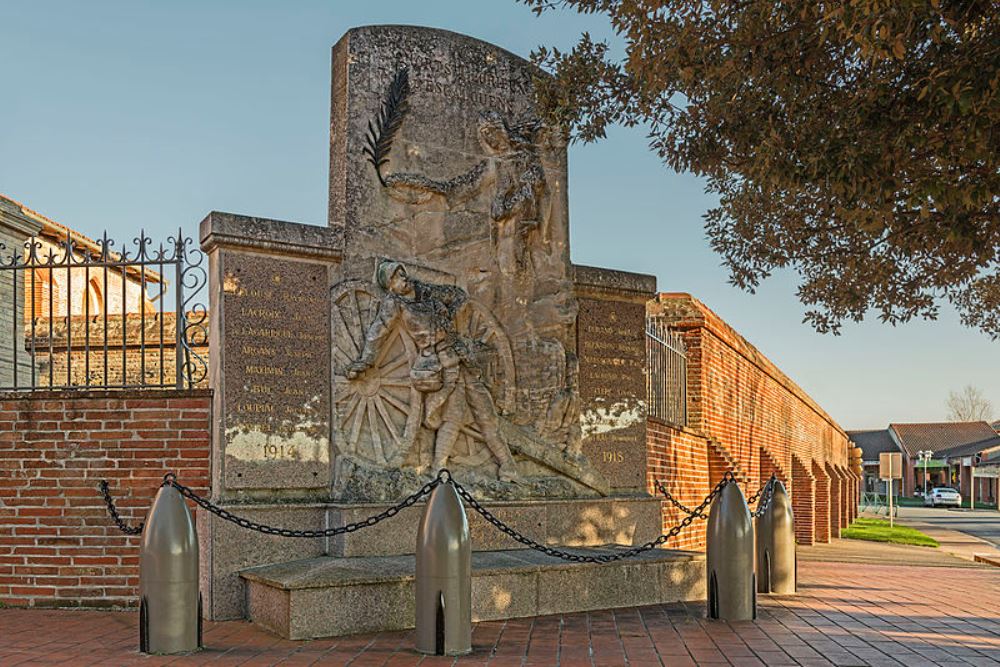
x=444 y=576
x=776 y=565
x=732 y=595
x=169 y=603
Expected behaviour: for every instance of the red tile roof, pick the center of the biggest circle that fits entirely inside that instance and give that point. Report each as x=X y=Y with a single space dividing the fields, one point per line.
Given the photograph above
x=940 y=436
x=57 y=233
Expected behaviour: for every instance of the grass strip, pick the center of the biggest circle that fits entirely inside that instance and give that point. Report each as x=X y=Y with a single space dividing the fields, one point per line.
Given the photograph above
x=878 y=530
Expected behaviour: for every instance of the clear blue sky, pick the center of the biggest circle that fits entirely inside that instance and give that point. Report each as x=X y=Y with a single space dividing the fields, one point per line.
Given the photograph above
x=125 y=114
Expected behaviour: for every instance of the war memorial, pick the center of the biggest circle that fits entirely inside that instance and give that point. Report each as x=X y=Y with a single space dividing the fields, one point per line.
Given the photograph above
x=443 y=332
x=435 y=323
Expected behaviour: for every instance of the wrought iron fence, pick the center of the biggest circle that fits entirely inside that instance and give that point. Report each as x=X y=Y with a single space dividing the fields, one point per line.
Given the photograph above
x=87 y=317
x=666 y=373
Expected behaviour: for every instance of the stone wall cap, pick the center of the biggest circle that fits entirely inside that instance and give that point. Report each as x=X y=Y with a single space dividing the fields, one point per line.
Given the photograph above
x=91 y=394
x=614 y=279
x=275 y=237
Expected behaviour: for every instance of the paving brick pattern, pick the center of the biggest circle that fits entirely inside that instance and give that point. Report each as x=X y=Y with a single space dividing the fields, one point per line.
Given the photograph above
x=846 y=614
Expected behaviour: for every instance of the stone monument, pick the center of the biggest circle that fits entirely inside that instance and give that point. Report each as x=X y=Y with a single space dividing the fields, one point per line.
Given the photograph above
x=444 y=180
x=435 y=322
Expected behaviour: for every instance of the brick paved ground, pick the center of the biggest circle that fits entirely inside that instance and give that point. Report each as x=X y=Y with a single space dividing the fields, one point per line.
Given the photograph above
x=846 y=614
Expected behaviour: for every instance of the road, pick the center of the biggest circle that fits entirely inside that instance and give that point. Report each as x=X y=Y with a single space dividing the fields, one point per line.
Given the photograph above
x=984 y=524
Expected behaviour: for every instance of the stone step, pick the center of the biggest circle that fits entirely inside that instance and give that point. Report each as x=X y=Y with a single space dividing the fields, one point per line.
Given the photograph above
x=328 y=596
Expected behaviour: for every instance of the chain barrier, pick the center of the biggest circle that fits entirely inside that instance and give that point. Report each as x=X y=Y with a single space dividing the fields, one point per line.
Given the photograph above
x=113 y=511
x=673 y=501
x=602 y=558
x=170 y=479
x=768 y=493
x=443 y=476
x=752 y=499
x=768 y=485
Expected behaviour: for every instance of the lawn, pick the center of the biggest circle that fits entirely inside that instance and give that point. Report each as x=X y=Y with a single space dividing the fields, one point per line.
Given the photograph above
x=878 y=530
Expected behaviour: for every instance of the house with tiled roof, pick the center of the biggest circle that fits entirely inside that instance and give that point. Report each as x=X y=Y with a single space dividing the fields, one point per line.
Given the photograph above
x=872 y=443
x=934 y=454
x=53 y=278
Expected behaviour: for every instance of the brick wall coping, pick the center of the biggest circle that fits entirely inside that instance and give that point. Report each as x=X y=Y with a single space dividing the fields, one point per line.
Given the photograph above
x=274 y=237
x=92 y=394
x=695 y=314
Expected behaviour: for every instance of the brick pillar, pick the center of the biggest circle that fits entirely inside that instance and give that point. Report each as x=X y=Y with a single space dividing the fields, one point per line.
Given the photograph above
x=835 y=496
x=803 y=502
x=847 y=492
x=821 y=513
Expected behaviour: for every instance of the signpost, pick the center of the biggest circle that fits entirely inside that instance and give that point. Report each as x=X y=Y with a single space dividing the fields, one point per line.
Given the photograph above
x=925 y=456
x=890 y=467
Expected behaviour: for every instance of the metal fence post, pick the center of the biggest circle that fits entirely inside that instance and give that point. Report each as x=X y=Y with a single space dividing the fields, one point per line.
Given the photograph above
x=776 y=563
x=444 y=576
x=732 y=594
x=169 y=602
x=179 y=316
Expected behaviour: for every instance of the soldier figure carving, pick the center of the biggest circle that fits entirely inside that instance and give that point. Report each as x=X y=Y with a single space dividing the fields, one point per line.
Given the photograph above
x=446 y=370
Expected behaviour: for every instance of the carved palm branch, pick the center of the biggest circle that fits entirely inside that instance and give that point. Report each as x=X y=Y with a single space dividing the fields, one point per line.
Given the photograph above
x=387 y=122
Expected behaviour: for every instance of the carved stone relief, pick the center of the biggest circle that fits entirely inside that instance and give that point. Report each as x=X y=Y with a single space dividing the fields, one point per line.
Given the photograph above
x=439 y=163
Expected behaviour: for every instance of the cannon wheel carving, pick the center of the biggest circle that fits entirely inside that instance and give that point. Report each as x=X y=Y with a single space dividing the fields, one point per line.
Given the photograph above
x=379 y=412
x=475 y=322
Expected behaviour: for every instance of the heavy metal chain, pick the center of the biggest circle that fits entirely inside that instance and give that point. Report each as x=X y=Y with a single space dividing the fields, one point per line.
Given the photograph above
x=673 y=501
x=752 y=499
x=171 y=480
x=603 y=558
x=768 y=493
x=113 y=511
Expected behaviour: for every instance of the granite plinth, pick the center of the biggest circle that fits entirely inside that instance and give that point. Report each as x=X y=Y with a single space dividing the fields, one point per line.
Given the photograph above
x=228 y=549
x=325 y=597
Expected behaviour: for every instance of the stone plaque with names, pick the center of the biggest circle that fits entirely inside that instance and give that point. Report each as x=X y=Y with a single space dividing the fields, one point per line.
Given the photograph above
x=612 y=349
x=271 y=315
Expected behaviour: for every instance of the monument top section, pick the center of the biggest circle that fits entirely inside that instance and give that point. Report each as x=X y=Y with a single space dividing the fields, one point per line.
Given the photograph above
x=454 y=81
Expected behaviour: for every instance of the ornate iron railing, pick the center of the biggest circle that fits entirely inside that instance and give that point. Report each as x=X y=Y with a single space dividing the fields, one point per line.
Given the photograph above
x=87 y=317
x=666 y=373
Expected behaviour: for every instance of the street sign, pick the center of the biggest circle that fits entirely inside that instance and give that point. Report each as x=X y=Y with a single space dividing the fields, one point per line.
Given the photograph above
x=890 y=465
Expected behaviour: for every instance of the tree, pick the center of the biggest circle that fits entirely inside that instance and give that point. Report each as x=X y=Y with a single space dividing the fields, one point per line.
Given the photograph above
x=854 y=143
x=969 y=405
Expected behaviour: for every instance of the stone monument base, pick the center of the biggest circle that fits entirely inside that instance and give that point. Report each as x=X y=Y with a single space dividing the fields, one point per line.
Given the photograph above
x=326 y=597
x=228 y=550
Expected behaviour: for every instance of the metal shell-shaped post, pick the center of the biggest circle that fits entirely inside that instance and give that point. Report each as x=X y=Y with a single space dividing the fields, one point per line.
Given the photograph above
x=444 y=576
x=776 y=570
x=732 y=594
x=169 y=603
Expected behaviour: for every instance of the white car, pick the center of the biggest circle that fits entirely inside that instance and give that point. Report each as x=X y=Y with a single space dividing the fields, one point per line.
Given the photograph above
x=942 y=495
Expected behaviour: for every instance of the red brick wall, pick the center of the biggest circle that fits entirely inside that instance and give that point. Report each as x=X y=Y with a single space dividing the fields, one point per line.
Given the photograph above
x=58 y=547
x=803 y=502
x=758 y=416
x=679 y=459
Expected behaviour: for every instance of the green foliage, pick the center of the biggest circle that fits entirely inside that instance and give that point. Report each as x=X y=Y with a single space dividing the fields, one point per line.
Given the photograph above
x=878 y=530
x=856 y=143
